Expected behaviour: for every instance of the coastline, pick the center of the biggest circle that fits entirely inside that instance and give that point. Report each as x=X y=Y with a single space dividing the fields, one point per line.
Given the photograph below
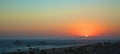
x=42 y=47
x=98 y=48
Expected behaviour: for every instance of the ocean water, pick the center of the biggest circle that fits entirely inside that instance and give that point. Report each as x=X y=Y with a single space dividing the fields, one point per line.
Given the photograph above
x=11 y=46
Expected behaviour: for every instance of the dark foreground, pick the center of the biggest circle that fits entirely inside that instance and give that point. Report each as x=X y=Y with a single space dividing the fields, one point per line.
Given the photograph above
x=98 y=48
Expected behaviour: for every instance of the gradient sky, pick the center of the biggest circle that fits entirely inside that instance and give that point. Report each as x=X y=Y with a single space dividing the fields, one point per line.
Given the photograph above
x=59 y=18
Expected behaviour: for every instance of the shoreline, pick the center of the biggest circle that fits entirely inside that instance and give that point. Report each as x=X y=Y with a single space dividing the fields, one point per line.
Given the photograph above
x=98 y=48
x=42 y=47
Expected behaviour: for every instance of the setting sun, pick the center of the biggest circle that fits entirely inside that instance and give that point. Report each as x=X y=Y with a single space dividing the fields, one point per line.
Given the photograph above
x=87 y=29
x=86 y=35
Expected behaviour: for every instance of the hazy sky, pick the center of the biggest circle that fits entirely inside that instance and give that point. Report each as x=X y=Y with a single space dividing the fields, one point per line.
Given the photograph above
x=59 y=18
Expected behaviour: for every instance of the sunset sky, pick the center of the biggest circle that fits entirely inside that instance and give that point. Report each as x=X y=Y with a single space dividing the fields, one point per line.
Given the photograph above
x=59 y=18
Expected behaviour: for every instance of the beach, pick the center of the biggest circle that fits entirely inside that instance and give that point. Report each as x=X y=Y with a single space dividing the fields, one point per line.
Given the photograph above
x=98 y=48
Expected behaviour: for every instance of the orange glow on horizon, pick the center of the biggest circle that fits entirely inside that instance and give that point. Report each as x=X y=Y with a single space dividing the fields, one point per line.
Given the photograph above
x=84 y=29
x=86 y=35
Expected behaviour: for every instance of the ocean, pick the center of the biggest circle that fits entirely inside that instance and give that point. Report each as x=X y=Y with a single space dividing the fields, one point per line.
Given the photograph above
x=24 y=45
x=13 y=45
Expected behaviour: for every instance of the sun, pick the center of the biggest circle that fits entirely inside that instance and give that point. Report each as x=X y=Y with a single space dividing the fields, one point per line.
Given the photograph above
x=86 y=29
x=86 y=35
